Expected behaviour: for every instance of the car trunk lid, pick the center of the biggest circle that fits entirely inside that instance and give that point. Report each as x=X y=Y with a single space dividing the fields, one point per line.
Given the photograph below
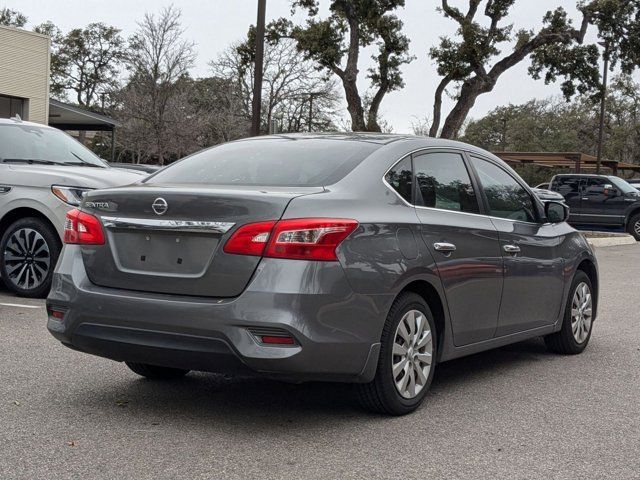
x=170 y=240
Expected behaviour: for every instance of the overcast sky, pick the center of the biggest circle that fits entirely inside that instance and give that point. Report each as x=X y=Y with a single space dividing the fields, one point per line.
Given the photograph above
x=213 y=24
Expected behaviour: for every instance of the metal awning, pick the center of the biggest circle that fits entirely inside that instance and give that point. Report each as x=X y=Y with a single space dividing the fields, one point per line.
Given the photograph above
x=575 y=160
x=70 y=117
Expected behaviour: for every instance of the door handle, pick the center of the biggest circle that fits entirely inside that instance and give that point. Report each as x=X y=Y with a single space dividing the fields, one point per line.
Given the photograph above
x=585 y=198
x=444 y=247
x=511 y=249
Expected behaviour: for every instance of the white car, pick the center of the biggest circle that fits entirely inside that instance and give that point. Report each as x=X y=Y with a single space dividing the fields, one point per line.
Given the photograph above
x=44 y=173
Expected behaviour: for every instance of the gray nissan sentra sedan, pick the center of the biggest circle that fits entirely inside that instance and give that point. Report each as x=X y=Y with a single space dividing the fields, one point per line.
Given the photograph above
x=355 y=258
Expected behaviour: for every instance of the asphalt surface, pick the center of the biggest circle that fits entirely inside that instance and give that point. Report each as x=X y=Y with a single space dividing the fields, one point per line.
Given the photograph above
x=516 y=412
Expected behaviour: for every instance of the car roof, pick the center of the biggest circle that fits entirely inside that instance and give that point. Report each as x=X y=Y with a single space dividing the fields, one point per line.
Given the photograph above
x=583 y=175
x=375 y=138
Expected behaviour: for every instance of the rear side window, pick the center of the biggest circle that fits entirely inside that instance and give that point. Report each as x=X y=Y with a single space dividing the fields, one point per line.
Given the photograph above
x=442 y=181
x=400 y=177
x=566 y=185
x=506 y=197
x=272 y=162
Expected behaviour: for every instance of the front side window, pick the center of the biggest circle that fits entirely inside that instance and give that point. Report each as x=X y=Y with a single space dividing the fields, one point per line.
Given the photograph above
x=400 y=177
x=506 y=197
x=442 y=181
x=596 y=186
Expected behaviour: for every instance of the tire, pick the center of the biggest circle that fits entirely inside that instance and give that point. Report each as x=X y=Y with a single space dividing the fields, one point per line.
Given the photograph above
x=633 y=227
x=382 y=395
x=565 y=341
x=153 y=372
x=29 y=250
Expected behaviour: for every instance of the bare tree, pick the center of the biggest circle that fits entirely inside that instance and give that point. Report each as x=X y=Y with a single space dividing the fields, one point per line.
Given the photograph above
x=222 y=109
x=294 y=92
x=154 y=103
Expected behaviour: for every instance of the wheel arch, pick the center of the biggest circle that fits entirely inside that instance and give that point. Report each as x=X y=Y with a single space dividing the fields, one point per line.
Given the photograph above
x=589 y=268
x=435 y=302
x=24 y=212
x=634 y=210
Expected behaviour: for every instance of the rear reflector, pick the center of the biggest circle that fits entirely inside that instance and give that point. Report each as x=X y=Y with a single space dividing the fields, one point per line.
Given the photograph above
x=276 y=340
x=83 y=229
x=57 y=313
x=300 y=239
x=272 y=336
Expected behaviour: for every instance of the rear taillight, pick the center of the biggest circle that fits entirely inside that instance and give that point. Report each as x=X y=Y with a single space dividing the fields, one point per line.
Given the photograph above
x=83 y=229
x=250 y=239
x=309 y=238
x=301 y=239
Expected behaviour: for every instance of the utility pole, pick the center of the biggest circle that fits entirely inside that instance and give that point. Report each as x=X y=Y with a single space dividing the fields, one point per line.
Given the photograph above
x=603 y=104
x=257 y=74
x=504 y=134
x=311 y=110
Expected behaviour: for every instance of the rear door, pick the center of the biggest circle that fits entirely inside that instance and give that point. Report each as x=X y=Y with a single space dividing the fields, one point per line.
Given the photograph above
x=533 y=268
x=463 y=243
x=571 y=189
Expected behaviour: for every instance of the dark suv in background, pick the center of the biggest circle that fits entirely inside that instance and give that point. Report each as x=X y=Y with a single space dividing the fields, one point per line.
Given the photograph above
x=600 y=200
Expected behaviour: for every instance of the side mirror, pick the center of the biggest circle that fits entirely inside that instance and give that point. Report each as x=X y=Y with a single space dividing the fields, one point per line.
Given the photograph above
x=556 y=212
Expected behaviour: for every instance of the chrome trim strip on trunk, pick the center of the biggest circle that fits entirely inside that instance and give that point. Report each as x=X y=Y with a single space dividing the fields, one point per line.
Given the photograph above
x=168 y=225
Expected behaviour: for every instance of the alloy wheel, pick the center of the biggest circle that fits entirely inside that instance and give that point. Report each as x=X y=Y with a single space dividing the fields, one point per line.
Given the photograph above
x=581 y=312
x=27 y=259
x=412 y=354
x=636 y=228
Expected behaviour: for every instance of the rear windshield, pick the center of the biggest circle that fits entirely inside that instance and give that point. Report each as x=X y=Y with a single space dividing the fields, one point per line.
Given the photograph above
x=276 y=162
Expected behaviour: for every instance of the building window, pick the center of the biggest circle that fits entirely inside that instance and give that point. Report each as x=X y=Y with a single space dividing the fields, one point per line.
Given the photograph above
x=11 y=106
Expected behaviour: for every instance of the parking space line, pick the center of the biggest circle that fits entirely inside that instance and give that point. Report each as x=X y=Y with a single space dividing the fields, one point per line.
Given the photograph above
x=19 y=305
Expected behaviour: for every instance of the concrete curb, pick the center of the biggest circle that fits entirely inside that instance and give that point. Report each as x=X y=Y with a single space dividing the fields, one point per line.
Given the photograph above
x=605 y=239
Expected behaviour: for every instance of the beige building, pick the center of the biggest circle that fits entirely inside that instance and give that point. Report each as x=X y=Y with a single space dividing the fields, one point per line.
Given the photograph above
x=24 y=75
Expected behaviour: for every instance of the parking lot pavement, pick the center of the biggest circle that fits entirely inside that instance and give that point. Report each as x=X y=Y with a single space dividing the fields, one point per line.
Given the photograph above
x=517 y=412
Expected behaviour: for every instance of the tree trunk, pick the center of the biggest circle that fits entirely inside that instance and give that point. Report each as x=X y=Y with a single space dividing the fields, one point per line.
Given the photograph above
x=437 y=106
x=470 y=91
x=354 y=105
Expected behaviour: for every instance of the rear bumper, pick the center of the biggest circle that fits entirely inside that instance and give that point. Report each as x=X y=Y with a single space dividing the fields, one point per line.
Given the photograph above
x=337 y=331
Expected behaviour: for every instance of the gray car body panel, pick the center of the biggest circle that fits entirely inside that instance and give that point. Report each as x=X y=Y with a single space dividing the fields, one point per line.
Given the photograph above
x=337 y=310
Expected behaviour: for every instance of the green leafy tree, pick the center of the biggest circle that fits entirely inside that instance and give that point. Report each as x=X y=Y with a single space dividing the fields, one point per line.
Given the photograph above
x=12 y=18
x=334 y=43
x=474 y=61
x=554 y=125
x=87 y=61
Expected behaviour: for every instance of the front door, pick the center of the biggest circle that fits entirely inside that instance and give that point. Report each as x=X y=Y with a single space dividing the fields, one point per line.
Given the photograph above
x=533 y=272
x=463 y=243
x=602 y=203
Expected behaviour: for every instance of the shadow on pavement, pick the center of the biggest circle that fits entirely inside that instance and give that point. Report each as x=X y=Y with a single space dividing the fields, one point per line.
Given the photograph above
x=230 y=399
